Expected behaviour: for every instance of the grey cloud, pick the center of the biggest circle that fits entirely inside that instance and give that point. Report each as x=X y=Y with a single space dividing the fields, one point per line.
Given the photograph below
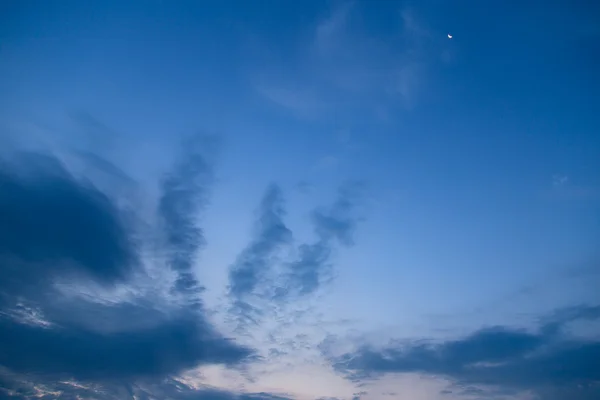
x=307 y=273
x=59 y=228
x=262 y=282
x=334 y=224
x=70 y=231
x=358 y=395
x=541 y=362
x=184 y=194
x=559 y=317
x=254 y=261
x=74 y=352
x=18 y=387
x=52 y=223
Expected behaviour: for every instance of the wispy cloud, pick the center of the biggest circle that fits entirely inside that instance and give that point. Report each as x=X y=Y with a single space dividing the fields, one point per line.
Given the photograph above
x=567 y=188
x=184 y=195
x=332 y=225
x=271 y=234
x=302 y=102
x=559 y=179
x=259 y=276
x=76 y=304
x=348 y=68
x=254 y=266
x=329 y=31
x=274 y=283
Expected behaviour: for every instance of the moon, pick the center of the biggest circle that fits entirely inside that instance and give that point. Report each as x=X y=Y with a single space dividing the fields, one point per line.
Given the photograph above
x=449 y=36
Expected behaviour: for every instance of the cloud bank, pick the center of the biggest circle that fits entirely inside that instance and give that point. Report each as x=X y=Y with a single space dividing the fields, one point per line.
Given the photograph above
x=81 y=310
x=549 y=362
x=62 y=239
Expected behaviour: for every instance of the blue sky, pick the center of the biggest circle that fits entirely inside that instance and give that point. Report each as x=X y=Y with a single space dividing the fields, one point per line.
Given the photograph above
x=299 y=200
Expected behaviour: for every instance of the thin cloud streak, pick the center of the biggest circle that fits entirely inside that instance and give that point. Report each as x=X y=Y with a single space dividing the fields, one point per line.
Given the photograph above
x=332 y=225
x=346 y=71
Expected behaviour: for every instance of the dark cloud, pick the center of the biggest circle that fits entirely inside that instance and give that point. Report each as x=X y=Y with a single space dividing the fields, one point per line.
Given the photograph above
x=56 y=228
x=53 y=224
x=73 y=352
x=60 y=231
x=542 y=362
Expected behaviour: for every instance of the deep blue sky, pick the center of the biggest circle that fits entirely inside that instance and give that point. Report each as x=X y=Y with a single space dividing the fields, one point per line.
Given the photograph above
x=300 y=199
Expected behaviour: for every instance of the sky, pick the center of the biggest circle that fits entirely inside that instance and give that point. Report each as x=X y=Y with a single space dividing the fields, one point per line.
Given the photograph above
x=279 y=200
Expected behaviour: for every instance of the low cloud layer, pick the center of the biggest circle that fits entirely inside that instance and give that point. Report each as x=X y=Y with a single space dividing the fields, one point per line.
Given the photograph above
x=58 y=232
x=76 y=319
x=81 y=312
x=547 y=362
x=49 y=218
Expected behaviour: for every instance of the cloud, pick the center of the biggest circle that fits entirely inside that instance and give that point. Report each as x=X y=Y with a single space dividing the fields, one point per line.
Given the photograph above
x=565 y=188
x=254 y=266
x=302 y=102
x=255 y=261
x=271 y=284
x=19 y=387
x=62 y=240
x=559 y=179
x=346 y=67
x=338 y=221
x=75 y=352
x=329 y=31
x=542 y=362
x=53 y=224
x=332 y=225
x=79 y=298
x=184 y=195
